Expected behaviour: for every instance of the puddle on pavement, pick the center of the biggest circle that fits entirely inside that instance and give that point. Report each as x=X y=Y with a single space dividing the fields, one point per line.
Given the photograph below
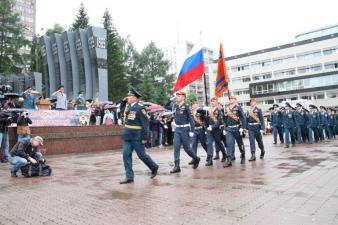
x=118 y=195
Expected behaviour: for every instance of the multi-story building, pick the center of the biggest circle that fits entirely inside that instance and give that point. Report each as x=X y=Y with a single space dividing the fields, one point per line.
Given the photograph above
x=176 y=54
x=304 y=70
x=27 y=11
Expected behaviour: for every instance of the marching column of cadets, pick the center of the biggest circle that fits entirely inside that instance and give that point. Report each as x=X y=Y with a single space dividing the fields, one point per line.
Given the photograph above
x=222 y=127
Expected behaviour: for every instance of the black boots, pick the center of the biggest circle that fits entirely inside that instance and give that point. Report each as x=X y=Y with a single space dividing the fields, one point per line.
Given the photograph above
x=209 y=161
x=154 y=172
x=216 y=156
x=242 y=150
x=196 y=162
x=176 y=168
x=191 y=162
x=227 y=162
x=224 y=156
x=253 y=158
x=262 y=153
x=127 y=181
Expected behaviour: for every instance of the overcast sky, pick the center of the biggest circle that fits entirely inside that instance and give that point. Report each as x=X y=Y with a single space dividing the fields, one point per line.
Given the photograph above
x=241 y=25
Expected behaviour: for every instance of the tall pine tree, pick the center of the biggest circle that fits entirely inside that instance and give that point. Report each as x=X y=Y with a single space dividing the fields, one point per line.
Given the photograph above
x=117 y=80
x=81 y=19
x=156 y=83
x=11 y=39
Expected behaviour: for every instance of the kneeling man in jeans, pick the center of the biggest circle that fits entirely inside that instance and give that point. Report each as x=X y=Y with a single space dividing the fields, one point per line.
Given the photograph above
x=24 y=152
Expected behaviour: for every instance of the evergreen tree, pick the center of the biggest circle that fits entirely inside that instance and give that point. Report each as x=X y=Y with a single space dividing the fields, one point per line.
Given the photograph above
x=156 y=84
x=81 y=19
x=117 y=80
x=11 y=39
x=57 y=29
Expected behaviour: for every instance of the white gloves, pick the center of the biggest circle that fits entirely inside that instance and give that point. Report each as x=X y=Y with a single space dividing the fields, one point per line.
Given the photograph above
x=262 y=132
x=224 y=132
x=241 y=130
x=209 y=128
x=119 y=122
x=173 y=124
x=165 y=127
x=191 y=134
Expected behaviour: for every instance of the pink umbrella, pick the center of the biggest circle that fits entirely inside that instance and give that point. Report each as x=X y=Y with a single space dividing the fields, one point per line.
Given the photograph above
x=155 y=107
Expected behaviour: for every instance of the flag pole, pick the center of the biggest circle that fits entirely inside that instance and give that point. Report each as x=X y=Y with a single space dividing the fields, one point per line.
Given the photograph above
x=205 y=90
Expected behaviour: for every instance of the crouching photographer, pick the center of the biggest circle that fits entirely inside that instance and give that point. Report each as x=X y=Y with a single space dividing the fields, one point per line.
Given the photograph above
x=25 y=155
x=23 y=130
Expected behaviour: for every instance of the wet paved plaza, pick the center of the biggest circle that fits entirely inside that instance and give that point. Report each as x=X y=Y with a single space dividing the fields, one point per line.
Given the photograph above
x=294 y=186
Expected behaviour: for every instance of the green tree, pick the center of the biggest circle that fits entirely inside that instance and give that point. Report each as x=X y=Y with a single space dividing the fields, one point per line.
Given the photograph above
x=191 y=96
x=156 y=84
x=81 y=19
x=11 y=39
x=57 y=29
x=117 y=80
x=131 y=59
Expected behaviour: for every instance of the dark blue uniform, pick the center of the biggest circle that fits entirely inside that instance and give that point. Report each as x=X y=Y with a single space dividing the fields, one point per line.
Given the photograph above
x=300 y=118
x=289 y=125
x=277 y=126
x=256 y=124
x=136 y=129
x=215 y=120
x=234 y=119
x=332 y=125
x=199 y=134
x=312 y=126
x=324 y=126
x=184 y=124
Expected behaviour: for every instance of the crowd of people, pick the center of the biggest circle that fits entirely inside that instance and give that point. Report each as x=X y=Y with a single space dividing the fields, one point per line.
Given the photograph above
x=218 y=128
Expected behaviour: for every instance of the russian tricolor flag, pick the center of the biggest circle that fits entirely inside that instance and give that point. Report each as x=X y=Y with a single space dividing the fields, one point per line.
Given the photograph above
x=192 y=69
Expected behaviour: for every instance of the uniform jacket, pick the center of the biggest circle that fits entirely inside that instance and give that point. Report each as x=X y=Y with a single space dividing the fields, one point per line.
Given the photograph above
x=135 y=116
x=300 y=117
x=238 y=111
x=312 y=120
x=258 y=113
x=289 y=119
x=183 y=116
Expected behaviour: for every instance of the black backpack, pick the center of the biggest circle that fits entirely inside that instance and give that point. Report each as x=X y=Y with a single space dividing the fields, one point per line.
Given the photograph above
x=35 y=170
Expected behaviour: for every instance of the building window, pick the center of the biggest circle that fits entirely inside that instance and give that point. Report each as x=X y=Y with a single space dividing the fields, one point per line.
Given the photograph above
x=309 y=69
x=329 y=51
x=331 y=95
x=240 y=68
x=282 y=73
x=331 y=65
x=277 y=61
x=259 y=64
x=308 y=55
x=306 y=97
x=269 y=101
x=319 y=96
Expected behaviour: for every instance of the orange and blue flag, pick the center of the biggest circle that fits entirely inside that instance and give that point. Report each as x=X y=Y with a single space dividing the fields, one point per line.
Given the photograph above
x=222 y=79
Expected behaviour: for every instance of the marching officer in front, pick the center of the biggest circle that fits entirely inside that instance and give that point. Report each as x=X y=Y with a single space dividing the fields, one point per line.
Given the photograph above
x=199 y=133
x=277 y=124
x=214 y=133
x=300 y=118
x=135 y=133
x=234 y=120
x=313 y=124
x=289 y=125
x=256 y=127
x=184 y=128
